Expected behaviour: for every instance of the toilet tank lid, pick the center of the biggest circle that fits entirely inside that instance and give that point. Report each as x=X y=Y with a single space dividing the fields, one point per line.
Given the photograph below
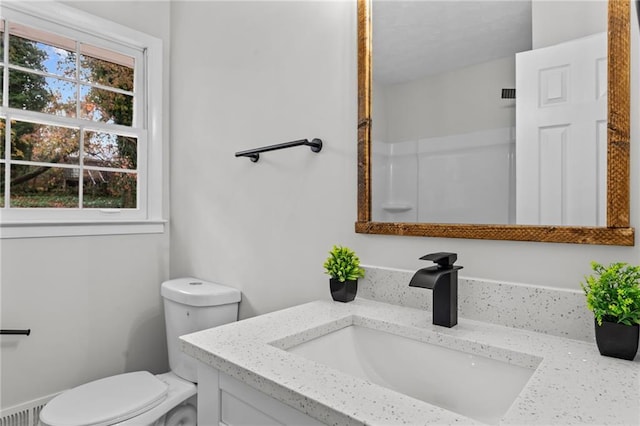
x=195 y=292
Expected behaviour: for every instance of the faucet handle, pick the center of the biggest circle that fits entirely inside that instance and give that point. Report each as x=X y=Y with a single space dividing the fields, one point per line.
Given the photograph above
x=443 y=259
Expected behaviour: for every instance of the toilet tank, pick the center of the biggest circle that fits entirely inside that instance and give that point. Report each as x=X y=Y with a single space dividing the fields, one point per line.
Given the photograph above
x=192 y=305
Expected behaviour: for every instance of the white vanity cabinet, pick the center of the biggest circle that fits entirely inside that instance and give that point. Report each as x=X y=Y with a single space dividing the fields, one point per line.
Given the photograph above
x=223 y=400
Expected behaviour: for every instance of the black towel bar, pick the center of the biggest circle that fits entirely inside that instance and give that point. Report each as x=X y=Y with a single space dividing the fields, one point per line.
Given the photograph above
x=25 y=332
x=254 y=154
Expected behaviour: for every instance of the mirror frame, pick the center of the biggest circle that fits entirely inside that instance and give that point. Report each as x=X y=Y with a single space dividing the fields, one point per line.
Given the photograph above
x=617 y=231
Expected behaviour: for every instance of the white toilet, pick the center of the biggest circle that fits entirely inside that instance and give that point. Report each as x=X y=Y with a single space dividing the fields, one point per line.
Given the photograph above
x=140 y=398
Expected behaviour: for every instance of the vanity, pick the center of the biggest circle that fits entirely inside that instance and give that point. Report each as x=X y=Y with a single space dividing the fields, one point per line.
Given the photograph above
x=294 y=366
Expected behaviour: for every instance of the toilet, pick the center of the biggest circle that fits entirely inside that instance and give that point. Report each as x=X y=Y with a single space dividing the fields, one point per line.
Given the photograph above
x=141 y=398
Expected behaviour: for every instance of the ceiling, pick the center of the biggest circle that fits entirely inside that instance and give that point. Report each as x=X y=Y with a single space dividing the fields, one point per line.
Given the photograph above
x=413 y=39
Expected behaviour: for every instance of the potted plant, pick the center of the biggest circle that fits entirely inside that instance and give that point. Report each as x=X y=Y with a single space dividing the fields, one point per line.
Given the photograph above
x=613 y=294
x=343 y=266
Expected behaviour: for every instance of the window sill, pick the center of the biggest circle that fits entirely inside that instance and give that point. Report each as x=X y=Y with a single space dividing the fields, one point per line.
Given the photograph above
x=75 y=229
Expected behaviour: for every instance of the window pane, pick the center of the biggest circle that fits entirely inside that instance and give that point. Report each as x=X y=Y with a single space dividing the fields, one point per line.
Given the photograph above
x=43 y=94
x=28 y=91
x=1 y=58
x=1 y=41
x=110 y=150
x=109 y=190
x=42 y=51
x=2 y=133
x=53 y=187
x=2 y=169
x=26 y=53
x=43 y=143
x=106 y=106
x=106 y=67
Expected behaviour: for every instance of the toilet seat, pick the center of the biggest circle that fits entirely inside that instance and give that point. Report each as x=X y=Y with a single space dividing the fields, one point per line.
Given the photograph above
x=106 y=401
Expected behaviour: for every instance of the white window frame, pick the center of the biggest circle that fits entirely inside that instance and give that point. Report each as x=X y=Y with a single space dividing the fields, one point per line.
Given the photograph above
x=147 y=217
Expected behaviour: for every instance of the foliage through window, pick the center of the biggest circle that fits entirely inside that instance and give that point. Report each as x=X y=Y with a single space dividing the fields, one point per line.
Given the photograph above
x=72 y=120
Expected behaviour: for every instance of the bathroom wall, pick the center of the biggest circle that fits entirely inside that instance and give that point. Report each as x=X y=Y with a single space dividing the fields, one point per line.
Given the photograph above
x=557 y=21
x=380 y=180
x=460 y=101
x=409 y=185
x=248 y=74
x=245 y=75
x=92 y=303
x=459 y=113
x=380 y=153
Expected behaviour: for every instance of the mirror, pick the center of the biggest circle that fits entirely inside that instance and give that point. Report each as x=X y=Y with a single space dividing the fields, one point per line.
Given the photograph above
x=466 y=171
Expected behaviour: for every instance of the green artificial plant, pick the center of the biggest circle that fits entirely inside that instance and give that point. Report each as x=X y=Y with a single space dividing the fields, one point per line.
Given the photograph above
x=613 y=293
x=343 y=264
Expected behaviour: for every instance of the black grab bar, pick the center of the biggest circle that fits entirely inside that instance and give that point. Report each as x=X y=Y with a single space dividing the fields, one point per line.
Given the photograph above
x=25 y=332
x=254 y=154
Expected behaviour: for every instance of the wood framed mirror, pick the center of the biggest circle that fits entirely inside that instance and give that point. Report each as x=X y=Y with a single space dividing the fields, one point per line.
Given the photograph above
x=617 y=230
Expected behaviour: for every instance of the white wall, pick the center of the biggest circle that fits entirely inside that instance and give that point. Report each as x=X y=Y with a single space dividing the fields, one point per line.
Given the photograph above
x=271 y=72
x=556 y=21
x=245 y=75
x=459 y=101
x=380 y=154
x=92 y=303
x=450 y=110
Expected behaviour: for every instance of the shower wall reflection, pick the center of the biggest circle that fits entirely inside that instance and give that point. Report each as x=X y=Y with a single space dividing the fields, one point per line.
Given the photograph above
x=447 y=147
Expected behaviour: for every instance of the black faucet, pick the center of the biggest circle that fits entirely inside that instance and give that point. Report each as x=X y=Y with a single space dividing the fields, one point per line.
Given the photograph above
x=443 y=280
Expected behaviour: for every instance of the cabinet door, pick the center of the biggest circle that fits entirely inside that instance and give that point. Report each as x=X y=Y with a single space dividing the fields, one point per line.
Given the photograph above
x=242 y=405
x=223 y=400
x=236 y=412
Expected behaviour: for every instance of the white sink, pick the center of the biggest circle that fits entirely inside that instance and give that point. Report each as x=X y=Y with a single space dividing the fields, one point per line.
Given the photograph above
x=474 y=386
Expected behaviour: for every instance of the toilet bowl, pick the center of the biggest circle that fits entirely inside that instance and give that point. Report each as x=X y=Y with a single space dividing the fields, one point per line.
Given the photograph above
x=140 y=398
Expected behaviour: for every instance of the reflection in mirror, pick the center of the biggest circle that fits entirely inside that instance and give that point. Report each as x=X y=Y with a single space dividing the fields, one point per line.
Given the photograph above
x=453 y=143
x=380 y=183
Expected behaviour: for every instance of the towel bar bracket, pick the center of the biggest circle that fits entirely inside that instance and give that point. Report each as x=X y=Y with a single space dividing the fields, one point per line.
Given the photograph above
x=316 y=145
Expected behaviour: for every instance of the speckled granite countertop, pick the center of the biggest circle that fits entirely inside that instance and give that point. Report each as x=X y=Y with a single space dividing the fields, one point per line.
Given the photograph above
x=573 y=384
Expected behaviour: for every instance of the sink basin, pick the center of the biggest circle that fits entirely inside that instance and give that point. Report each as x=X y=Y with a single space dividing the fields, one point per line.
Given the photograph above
x=475 y=386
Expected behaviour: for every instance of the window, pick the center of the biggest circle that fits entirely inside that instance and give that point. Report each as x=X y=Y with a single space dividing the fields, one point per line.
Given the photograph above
x=76 y=144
